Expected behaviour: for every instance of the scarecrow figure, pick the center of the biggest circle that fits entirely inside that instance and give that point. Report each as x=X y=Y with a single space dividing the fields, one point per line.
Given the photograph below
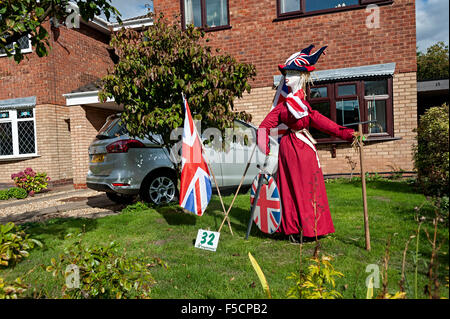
x=299 y=176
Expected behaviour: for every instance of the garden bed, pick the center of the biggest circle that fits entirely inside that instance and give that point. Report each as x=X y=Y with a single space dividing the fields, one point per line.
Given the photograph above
x=168 y=234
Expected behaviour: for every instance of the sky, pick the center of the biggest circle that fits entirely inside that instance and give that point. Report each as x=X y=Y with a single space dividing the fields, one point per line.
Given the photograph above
x=431 y=18
x=431 y=22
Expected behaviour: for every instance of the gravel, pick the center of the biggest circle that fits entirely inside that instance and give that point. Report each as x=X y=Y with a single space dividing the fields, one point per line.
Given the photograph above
x=29 y=210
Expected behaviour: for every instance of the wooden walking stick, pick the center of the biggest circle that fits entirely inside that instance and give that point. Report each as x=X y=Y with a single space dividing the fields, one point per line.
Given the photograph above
x=255 y=202
x=220 y=196
x=364 y=189
x=239 y=187
x=358 y=142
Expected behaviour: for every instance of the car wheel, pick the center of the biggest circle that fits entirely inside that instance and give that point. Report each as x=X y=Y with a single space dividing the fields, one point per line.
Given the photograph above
x=159 y=189
x=120 y=198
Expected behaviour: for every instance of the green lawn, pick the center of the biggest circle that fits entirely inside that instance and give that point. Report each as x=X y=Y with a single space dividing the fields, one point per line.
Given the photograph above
x=194 y=273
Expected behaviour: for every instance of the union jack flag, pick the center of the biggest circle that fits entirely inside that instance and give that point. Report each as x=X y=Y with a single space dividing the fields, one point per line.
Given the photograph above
x=195 y=188
x=267 y=214
x=299 y=59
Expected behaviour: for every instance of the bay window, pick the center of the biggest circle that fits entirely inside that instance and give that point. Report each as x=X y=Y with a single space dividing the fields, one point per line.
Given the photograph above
x=350 y=102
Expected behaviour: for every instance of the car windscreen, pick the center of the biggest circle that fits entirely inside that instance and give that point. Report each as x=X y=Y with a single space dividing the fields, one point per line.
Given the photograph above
x=112 y=128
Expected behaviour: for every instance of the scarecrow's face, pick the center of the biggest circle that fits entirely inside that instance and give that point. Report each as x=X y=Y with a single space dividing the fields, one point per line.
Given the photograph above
x=293 y=80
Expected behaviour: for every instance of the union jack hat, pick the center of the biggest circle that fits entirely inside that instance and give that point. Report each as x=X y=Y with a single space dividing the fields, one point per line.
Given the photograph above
x=302 y=61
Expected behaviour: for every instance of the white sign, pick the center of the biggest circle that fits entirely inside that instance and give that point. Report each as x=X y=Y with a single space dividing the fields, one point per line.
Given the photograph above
x=207 y=240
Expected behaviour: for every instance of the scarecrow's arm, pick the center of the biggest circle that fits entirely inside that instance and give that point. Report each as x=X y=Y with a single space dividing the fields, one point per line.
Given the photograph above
x=324 y=124
x=271 y=121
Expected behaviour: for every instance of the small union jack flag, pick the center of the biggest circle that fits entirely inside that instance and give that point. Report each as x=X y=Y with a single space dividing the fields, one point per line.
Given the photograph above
x=195 y=184
x=267 y=214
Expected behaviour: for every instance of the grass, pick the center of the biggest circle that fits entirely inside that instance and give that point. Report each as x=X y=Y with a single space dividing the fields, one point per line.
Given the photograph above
x=167 y=234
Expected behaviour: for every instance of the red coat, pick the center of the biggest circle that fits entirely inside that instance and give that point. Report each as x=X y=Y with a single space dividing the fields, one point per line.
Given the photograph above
x=299 y=177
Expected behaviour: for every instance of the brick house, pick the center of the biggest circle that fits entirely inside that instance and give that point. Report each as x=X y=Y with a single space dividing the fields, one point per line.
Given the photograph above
x=368 y=64
x=370 y=69
x=37 y=129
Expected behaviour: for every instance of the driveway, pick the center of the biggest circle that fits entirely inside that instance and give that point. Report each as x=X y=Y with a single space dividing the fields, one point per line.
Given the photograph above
x=60 y=202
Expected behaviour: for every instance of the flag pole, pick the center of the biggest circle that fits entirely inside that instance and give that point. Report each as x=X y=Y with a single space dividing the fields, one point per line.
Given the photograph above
x=220 y=196
x=212 y=173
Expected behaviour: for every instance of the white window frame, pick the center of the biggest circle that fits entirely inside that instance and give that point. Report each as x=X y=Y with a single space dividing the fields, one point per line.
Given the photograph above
x=15 y=132
x=29 y=50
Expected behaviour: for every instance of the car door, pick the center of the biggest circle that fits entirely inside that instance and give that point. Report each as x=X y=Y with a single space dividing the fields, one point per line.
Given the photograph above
x=213 y=156
x=241 y=141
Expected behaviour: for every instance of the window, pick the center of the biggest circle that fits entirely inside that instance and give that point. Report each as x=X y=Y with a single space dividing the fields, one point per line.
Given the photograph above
x=24 y=45
x=377 y=98
x=206 y=14
x=297 y=8
x=351 y=102
x=314 y=5
x=17 y=133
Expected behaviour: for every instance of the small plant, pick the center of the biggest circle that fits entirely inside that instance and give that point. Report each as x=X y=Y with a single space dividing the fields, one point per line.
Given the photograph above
x=103 y=272
x=317 y=283
x=352 y=164
x=18 y=193
x=14 y=192
x=4 y=194
x=12 y=290
x=135 y=207
x=397 y=172
x=375 y=177
x=31 y=181
x=15 y=244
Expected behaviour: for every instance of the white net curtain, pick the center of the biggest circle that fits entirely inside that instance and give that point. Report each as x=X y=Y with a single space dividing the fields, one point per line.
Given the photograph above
x=216 y=12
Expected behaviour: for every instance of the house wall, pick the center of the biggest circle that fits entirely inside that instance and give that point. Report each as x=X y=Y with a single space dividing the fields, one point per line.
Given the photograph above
x=53 y=147
x=77 y=57
x=85 y=123
x=256 y=38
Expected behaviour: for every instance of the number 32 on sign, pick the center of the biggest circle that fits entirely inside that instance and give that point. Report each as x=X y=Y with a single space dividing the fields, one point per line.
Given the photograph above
x=207 y=240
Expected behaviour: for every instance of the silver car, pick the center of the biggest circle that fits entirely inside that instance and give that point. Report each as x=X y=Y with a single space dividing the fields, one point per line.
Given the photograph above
x=124 y=166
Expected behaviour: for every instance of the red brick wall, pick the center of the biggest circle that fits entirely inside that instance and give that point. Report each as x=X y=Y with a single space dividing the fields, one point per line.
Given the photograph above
x=77 y=57
x=254 y=36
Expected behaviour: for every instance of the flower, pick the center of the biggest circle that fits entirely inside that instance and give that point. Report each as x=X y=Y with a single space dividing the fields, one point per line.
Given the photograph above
x=29 y=171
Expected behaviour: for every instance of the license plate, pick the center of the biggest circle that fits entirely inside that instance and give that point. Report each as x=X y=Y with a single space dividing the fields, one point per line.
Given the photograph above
x=98 y=158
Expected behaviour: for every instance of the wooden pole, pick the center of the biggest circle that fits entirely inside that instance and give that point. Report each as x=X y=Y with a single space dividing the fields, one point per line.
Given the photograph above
x=255 y=202
x=364 y=189
x=239 y=187
x=220 y=197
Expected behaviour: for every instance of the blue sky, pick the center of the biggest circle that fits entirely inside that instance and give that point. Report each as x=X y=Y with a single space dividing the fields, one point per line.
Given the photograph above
x=431 y=18
x=431 y=22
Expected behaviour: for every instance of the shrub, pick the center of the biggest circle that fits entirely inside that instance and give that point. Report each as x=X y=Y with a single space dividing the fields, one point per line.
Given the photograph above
x=317 y=283
x=18 y=193
x=102 y=272
x=12 y=290
x=31 y=181
x=4 y=194
x=431 y=154
x=157 y=64
x=14 y=244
